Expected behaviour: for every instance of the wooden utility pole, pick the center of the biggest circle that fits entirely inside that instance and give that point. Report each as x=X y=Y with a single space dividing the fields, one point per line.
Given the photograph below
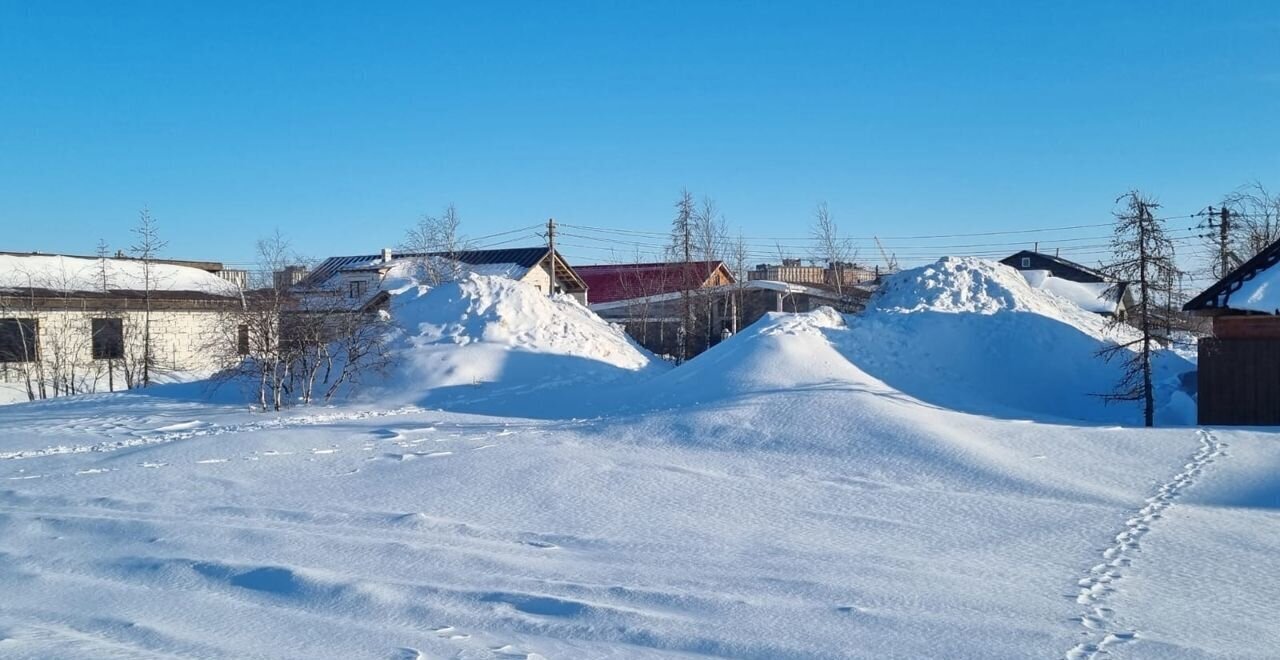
x=1224 y=237
x=551 y=245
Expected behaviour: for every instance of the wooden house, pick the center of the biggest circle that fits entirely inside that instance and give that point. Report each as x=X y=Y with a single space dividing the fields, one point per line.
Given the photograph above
x=1087 y=287
x=359 y=278
x=647 y=299
x=1238 y=378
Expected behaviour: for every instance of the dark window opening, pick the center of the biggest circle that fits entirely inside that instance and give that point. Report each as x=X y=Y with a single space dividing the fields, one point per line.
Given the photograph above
x=108 y=339
x=357 y=289
x=18 y=340
x=242 y=340
x=1026 y=262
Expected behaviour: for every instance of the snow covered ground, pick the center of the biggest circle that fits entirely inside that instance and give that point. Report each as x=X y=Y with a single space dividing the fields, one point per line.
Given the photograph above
x=796 y=492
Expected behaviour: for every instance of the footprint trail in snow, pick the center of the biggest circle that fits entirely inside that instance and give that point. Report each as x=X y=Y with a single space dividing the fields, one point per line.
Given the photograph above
x=1100 y=629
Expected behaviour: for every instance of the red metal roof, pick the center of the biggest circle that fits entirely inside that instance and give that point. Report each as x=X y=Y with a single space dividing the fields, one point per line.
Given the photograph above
x=608 y=283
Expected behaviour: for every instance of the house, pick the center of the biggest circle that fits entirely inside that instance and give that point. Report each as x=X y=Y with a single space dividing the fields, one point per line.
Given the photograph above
x=648 y=299
x=1238 y=377
x=1088 y=288
x=360 y=278
x=794 y=272
x=72 y=325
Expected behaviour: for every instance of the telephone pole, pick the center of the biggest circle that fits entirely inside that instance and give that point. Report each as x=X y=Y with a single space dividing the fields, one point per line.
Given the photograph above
x=551 y=245
x=1224 y=247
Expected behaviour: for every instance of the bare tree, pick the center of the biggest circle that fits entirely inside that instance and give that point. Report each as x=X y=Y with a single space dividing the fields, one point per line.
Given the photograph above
x=1145 y=256
x=711 y=240
x=830 y=247
x=739 y=261
x=1256 y=220
x=146 y=248
x=294 y=342
x=681 y=251
x=435 y=242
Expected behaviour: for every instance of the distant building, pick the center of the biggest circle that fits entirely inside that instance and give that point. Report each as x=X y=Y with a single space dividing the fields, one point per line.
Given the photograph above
x=1092 y=290
x=71 y=325
x=1238 y=371
x=238 y=277
x=648 y=300
x=291 y=275
x=793 y=271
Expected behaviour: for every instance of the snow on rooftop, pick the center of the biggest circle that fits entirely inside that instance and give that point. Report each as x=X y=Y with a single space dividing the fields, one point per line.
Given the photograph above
x=82 y=274
x=1260 y=294
x=1097 y=297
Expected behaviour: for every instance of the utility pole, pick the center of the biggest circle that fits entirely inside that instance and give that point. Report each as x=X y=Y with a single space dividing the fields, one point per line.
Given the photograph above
x=551 y=245
x=1224 y=235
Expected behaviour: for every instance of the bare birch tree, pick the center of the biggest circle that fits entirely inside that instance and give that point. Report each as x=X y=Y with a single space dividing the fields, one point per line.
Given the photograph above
x=435 y=242
x=830 y=246
x=146 y=247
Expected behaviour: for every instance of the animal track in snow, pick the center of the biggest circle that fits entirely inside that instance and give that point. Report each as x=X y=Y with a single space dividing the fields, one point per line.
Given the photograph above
x=1100 y=629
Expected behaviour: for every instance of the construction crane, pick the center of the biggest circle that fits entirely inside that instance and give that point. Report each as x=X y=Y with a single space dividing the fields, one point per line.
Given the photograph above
x=890 y=262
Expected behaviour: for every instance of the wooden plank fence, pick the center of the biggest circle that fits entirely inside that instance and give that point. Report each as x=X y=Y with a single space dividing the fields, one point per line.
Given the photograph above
x=1239 y=382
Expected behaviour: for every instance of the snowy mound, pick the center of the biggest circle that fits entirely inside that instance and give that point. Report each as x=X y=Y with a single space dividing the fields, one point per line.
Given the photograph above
x=482 y=339
x=977 y=286
x=964 y=334
x=974 y=335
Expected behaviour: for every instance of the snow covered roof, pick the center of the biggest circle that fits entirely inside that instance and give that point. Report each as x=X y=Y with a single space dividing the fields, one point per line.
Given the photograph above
x=1097 y=297
x=58 y=274
x=513 y=262
x=1253 y=287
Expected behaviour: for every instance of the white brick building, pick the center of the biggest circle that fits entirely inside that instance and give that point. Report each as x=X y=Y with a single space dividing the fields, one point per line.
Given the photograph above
x=73 y=325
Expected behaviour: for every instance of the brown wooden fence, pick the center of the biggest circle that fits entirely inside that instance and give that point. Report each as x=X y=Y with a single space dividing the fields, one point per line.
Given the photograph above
x=1239 y=382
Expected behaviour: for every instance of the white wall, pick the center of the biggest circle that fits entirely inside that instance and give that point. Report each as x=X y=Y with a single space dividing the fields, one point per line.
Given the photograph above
x=181 y=340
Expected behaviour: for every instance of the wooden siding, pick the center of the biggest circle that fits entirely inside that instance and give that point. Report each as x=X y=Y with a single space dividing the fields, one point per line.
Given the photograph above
x=1239 y=382
x=1246 y=327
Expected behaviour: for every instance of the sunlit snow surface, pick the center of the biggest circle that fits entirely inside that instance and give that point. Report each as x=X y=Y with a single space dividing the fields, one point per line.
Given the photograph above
x=783 y=496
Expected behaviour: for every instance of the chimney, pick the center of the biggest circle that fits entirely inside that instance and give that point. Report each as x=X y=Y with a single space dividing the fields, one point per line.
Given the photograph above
x=386 y=255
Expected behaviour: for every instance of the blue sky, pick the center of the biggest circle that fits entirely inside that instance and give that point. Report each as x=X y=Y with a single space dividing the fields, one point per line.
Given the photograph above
x=339 y=124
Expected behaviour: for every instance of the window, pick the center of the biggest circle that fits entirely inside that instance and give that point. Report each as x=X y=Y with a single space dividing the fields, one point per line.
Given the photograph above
x=356 y=289
x=18 y=340
x=242 y=340
x=108 y=339
x=1026 y=262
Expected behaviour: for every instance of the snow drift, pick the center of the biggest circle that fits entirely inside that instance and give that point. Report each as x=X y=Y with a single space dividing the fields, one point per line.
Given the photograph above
x=963 y=333
x=974 y=335
x=490 y=343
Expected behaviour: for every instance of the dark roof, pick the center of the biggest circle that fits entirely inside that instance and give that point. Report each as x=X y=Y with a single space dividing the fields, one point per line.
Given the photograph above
x=1218 y=295
x=609 y=283
x=524 y=257
x=1066 y=263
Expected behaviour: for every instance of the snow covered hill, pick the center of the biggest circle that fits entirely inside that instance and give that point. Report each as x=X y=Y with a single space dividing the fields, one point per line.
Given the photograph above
x=487 y=343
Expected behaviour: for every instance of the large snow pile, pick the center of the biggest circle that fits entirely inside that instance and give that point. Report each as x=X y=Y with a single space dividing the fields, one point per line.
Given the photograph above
x=484 y=343
x=963 y=333
x=974 y=335
x=80 y=274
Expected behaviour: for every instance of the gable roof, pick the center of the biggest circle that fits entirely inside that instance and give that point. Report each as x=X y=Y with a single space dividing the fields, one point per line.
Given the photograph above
x=612 y=282
x=1218 y=295
x=513 y=263
x=1012 y=260
x=523 y=257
